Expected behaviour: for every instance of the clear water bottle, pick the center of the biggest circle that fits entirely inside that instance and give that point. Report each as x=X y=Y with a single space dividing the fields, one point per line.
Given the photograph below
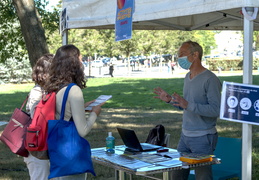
x=110 y=143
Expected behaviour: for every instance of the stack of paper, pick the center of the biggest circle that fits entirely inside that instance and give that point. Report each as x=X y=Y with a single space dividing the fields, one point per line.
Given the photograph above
x=193 y=158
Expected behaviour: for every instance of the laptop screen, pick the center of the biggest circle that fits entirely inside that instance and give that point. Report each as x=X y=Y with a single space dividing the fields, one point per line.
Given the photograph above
x=130 y=140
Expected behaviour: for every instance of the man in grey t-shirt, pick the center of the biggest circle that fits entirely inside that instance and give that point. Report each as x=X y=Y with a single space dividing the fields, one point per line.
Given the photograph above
x=201 y=106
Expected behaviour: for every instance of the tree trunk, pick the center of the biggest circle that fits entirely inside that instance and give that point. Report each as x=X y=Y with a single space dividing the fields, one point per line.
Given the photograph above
x=32 y=30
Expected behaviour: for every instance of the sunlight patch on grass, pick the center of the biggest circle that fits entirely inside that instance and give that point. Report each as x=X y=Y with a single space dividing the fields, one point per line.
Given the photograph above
x=13 y=88
x=6 y=113
x=128 y=125
x=127 y=93
x=221 y=129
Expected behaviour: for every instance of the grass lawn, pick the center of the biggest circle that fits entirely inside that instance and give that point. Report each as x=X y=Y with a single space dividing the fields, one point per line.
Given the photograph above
x=132 y=106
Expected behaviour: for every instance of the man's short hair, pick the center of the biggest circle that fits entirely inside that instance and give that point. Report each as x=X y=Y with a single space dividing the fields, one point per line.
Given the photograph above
x=194 y=46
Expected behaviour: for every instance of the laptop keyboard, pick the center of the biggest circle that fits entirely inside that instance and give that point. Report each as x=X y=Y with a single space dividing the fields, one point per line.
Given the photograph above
x=146 y=146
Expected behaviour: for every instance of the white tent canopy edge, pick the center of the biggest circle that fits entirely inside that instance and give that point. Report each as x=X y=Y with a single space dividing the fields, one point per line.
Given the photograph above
x=167 y=14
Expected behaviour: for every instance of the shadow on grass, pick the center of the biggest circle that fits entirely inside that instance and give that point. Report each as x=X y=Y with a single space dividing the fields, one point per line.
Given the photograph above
x=139 y=120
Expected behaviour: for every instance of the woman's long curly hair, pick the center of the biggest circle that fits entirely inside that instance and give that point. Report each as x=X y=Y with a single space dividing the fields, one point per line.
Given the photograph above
x=66 y=68
x=40 y=71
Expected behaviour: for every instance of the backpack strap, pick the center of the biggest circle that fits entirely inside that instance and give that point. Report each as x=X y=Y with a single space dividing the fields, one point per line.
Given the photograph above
x=65 y=100
x=24 y=102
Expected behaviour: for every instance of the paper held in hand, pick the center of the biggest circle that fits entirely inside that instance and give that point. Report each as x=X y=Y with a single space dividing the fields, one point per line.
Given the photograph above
x=99 y=100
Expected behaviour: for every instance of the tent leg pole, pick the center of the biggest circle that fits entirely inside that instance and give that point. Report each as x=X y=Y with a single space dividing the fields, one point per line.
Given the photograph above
x=247 y=79
x=65 y=37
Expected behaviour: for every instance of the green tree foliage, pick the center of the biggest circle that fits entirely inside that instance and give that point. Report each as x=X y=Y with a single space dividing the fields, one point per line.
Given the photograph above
x=54 y=41
x=50 y=19
x=256 y=40
x=206 y=40
x=107 y=39
x=147 y=41
x=143 y=42
x=12 y=45
x=11 y=42
x=14 y=63
x=129 y=47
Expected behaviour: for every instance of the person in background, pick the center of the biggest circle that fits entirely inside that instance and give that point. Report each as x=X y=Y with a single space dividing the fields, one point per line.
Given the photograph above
x=201 y=107
x=38 y=169
x=111 y=69
x=173 y=66
x=67 y=68
x=169 y=66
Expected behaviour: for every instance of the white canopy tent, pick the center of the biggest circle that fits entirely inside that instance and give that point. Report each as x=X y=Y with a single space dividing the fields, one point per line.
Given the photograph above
x=161 y=15
x=176 y=15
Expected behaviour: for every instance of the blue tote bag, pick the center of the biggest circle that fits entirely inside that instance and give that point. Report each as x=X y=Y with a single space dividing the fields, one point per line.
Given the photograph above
x=69 y=153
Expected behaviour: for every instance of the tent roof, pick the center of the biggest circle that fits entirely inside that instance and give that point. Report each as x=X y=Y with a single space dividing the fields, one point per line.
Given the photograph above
x=161 y=15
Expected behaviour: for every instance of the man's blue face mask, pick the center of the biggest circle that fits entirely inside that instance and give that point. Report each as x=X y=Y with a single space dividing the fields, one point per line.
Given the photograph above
x=184 y=63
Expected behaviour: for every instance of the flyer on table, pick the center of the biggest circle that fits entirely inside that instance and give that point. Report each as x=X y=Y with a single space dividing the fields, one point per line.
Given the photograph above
x=240 y=103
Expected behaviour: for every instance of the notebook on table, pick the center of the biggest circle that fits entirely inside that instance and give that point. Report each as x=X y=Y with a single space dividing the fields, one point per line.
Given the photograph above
x=132 y=143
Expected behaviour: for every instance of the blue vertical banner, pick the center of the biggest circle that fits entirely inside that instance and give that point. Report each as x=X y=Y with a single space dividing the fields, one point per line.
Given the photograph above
x=123 y=22
x=240 y=103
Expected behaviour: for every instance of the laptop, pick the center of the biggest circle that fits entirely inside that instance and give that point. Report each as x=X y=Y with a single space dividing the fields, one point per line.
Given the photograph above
x=132 y=143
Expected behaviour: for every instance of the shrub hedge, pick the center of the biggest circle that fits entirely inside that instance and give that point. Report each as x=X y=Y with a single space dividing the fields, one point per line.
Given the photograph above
x=229 y=64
